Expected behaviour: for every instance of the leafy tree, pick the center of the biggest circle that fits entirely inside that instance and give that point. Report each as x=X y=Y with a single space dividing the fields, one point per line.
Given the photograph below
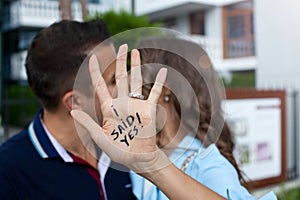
x=118 y=22
x=121 y=22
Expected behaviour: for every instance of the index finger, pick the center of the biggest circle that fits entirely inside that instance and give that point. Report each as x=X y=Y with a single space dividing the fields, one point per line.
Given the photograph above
x=98 y=81
x=121 y=71
x=158 y=85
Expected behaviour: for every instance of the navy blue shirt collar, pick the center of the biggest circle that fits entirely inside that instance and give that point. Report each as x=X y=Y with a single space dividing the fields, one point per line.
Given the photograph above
x=39 y=138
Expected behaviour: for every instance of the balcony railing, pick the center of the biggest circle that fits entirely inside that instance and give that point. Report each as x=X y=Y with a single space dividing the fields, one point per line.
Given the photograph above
x=240 y=55
x=39 y=13
x=212 y=46
x=240 y=48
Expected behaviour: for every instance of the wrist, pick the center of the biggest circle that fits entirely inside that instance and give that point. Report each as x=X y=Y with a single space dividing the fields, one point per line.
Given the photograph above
x=158 y=169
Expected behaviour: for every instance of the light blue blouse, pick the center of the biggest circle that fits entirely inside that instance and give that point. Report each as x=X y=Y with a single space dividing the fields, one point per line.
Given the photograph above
x=208 y=167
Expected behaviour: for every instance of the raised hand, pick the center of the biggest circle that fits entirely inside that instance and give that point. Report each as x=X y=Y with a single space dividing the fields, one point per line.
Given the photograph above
x=128 y=131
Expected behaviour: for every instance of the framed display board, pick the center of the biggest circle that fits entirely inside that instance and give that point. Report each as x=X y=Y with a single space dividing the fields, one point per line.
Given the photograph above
x=257 y=121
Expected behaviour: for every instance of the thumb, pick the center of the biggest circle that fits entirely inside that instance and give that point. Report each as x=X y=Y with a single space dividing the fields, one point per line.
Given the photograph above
x=91 y=126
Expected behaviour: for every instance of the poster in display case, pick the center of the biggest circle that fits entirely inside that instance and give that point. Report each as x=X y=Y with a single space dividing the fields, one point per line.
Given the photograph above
x=257 y=121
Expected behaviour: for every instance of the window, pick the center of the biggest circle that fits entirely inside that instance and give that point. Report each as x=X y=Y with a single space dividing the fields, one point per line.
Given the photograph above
x=170 y=23
x=239 y=30
x=197 y=23
x=25 y=39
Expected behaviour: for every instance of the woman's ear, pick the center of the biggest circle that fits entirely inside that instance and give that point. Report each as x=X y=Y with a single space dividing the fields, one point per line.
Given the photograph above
x=165 y=96
x=71 y=100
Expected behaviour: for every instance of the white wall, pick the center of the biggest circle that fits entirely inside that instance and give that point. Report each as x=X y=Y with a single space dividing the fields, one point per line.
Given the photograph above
x=278 y=48
x=149 y=6
x=213 y=22
x=182 y=24
x=122 y=5
x=277 y=25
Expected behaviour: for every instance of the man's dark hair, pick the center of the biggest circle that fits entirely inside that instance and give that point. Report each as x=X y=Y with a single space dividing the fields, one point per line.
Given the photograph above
x=56 y=54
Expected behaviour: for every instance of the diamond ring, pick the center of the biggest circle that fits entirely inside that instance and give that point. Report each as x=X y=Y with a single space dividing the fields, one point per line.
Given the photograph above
x=136 y=95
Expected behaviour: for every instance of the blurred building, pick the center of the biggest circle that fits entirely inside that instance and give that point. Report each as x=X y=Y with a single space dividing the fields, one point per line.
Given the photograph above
x=223 y=27
x=239 y=35
x=20 y=21
x=250 y=36
x=278 y=47
x=256 y=36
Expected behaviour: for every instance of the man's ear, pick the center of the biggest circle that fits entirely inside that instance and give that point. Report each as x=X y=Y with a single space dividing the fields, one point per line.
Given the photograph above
x=71 y=100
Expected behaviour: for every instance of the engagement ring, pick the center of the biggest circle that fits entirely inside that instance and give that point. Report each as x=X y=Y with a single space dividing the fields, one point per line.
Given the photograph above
x=136 y=95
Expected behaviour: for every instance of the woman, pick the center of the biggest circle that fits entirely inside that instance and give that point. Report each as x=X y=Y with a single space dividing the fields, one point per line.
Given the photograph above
x=191 y=100
x=128 y=136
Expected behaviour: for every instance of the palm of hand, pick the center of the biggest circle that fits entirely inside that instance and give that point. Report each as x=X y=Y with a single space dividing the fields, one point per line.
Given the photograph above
x=128 y=129
x=127 y=120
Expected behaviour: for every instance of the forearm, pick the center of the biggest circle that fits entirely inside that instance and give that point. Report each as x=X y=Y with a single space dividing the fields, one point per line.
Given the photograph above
x=177 y=185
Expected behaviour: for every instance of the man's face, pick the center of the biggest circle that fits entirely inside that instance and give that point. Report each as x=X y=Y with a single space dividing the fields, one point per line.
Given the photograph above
x=106 y=58
x=107 y=61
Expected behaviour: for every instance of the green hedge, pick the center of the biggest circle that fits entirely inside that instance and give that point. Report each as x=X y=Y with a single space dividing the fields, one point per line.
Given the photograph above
x=291 y=194
x=22 y=105
x=241 y=80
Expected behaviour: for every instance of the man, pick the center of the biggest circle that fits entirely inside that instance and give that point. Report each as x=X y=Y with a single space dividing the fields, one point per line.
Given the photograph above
x=48 y=159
